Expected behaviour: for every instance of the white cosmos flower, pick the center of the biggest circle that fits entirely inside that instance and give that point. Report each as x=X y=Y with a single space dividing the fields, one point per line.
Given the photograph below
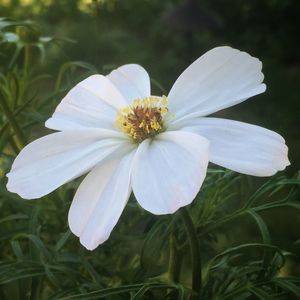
x=157 y=147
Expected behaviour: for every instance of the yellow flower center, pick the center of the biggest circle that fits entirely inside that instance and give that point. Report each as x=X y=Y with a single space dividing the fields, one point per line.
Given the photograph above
x=143 y=118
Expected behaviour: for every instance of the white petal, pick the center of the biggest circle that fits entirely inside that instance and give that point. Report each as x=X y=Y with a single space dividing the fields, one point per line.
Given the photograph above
x=132 y=81
x=220 y=78
x=49 y=162
x=91 y=103
x=100 y=200
x=168 y=171
x=242 y=147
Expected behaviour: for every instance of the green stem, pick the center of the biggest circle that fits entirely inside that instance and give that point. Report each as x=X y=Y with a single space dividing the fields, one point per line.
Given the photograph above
x=10 y=117
x=195 y=252
x=174 y=260
x=27 y=58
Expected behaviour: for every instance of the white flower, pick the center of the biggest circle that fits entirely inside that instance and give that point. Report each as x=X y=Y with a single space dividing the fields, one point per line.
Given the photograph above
x=158 y=147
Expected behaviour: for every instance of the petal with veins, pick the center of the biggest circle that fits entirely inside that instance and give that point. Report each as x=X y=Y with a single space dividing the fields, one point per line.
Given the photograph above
x=169 y=170
x=220 y=78
x=242 y=147
x=93 y=102
x=132 y=81
x=49 y=162
x=100 y=200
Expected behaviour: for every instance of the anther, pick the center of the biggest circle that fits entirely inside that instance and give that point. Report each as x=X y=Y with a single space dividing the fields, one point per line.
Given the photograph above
x=142 y=119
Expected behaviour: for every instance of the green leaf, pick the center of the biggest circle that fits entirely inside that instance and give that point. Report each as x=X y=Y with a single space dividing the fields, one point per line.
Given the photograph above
x=288 y=285
x=262 y=226
x=18 y=216
x=36 y=241
x=260 y=293
x=69 y=65
x=61 y=242
x=118 y=290
x=244 y=247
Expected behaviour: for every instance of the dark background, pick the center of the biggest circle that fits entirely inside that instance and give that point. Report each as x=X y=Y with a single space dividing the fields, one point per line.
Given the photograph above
x=165 y=37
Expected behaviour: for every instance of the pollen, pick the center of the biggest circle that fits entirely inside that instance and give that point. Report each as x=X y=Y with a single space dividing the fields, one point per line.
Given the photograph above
x=144 y=118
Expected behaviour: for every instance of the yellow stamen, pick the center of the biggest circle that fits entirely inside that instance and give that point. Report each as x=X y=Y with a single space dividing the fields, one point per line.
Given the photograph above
x=143 y=118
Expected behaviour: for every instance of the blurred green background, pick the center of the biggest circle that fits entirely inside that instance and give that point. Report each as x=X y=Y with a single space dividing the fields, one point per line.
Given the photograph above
x=164 y=37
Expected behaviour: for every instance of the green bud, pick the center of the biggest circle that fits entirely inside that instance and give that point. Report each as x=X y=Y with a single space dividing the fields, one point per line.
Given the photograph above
x=28 y=35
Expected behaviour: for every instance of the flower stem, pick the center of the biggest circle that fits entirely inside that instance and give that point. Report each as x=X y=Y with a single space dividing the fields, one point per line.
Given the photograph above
x=195 y=252
x=27 y=58
x=174 y=260
x=10 y=117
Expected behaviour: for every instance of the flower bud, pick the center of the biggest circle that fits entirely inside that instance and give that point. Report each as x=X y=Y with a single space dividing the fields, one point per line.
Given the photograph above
x=28 y=35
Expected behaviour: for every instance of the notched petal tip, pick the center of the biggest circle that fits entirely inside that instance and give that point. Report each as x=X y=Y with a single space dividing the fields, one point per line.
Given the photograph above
x=130 y=66
x=263 y=88
x=132 y=81
x=18 y=189
x=242 y=147
x=107 y=189
x=91 y=244
x=220 y=78
x=50 y=124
